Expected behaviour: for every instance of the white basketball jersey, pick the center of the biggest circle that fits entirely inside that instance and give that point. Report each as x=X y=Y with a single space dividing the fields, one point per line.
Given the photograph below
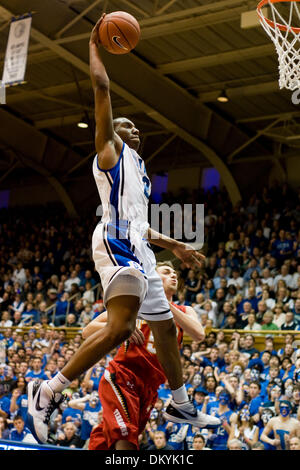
x=124 y=190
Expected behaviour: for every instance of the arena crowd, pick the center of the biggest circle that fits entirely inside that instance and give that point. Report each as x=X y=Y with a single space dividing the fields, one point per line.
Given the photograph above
x=250 y=282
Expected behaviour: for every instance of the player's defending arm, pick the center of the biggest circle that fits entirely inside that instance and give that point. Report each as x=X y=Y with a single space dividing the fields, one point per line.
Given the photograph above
x=186 y=253
x=100 y=322
x=95 y=325
x=108 y=143
x=189 y=322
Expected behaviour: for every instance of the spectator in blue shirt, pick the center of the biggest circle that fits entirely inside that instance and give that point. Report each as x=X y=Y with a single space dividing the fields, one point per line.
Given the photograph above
x=88 y=277
x=61 y=309
x=164 y=392
x=19 y=431
x=36 y=371
x=222 y=274
x=220 y=409
x=282 y=248
x=4 y=403
x=254 y=399
x=252 y=266
x=249 y=348
x=71 y=414
x=198 y=397
x=30 y=315
x=214 y=360
x=89 y=406
x=19 y=399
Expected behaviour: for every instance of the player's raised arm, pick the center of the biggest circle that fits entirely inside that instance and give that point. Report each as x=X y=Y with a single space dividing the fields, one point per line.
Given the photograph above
x=186 y=253
x=108 y=143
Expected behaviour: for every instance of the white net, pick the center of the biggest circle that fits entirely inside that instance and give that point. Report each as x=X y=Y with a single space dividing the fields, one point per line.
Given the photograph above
x=283 y=27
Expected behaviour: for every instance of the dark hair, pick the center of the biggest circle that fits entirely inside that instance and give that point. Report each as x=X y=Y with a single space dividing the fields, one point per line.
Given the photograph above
x=256 y=383
x=266 y=351
x=212 y=333
x=233 y=315
x=272 y=384
x=17 y=417
x=197 y=436
x=210 y=377
x=288 y=358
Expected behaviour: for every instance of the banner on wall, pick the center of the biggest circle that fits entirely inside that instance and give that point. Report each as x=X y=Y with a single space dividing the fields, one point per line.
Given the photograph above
x=16 y=51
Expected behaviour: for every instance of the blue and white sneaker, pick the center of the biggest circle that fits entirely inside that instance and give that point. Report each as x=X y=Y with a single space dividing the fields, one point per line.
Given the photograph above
x=187 y=413
x=42 y=402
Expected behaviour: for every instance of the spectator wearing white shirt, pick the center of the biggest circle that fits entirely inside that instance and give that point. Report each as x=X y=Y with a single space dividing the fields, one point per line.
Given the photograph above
x=86 y=315
x=279 y=315
x=200 y=299
x=285 y=276
x=5 y=322
x=252 y=283
x=17 y=304
x=19 y=274
x=283 y=296
x=73 y=279
x=266 y=230
x=269 y=301
x=252 y=325
x=88 y=295
x=236 y=280
x=267 y=278
x=47 y=340
x=295 y=279
x=209 y=309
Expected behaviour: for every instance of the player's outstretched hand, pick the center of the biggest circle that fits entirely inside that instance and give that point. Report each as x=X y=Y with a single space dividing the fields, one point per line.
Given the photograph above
x=94 y=39
x=137 y=337
x=188 y=255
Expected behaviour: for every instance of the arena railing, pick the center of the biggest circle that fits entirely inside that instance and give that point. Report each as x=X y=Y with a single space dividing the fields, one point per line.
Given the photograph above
x=259 y=336
x=71 y=332
x=52 y=308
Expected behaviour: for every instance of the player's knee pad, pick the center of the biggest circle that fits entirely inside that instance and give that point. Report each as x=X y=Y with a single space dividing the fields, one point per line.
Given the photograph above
x=125 y=284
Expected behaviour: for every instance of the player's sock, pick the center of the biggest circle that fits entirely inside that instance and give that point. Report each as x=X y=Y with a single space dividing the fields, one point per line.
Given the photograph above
x=58 y=383
x=180 y=395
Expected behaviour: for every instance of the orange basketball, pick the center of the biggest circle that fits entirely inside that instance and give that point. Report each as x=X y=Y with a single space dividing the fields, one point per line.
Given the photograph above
x=119 y=32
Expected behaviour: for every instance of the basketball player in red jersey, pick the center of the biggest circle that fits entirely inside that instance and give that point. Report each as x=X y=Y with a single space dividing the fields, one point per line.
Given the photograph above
x=128 y=389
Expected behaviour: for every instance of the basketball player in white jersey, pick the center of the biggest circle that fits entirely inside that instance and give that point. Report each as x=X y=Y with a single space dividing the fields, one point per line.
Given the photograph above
x=125 y=263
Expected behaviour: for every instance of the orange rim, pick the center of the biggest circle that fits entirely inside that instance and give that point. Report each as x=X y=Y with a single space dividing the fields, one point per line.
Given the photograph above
x=271 y=23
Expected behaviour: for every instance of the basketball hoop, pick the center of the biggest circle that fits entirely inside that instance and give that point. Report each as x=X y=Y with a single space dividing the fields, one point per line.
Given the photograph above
x=284 y=30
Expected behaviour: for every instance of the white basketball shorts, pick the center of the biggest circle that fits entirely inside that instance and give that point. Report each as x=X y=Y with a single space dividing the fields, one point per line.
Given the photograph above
x=119 y=251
